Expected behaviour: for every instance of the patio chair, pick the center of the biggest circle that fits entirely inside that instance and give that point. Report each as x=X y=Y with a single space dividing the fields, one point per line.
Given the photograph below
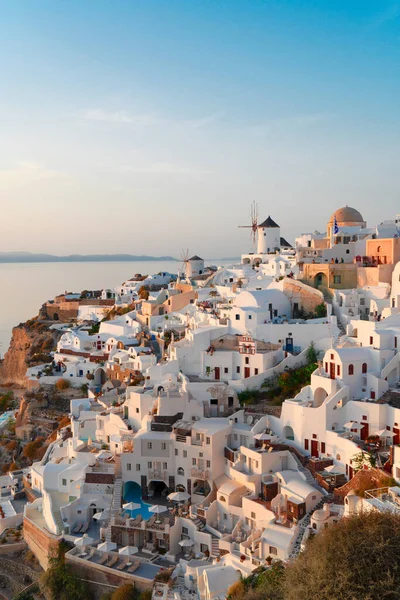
x=122 y=565
x=133 y=567
x=77 y=528
x=91 y=553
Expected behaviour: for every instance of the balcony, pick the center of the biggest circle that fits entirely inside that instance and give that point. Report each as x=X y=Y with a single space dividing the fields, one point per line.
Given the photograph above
x=199 y=473
x=157 y=474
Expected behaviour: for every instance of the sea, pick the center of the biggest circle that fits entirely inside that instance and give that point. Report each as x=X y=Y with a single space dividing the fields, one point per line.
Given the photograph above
x=24 y=287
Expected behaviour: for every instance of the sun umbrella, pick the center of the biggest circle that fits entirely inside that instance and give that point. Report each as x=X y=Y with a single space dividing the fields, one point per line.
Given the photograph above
x=128 y=550
x=131 y=506
x=186 y=543
x=352 y=425
x=85 y=540
x=106 y=546
x=384 y=433
x=179 y=496
x=157 y=509
x=262 y=437
x=102 y=515
x=335 y=469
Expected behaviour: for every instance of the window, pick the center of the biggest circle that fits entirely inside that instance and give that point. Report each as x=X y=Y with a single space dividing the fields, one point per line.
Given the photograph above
x=64 y=482
x=371 y=341
x=180 y=471
x=208 y=440
x=137 y=467
x=164 y=446
x=250 y=317
x=185 y=531
x=193 y=462
x=337 y=279
x=203 y=548
x=208 y=463
x=222 y=499
x=323 y=447
x=149 y=445
x=176 y=452
x=128 y=466
x=226 y=370
x=246 y=360
x=165 y=466
x=273 y=550
x=255 y=371
x=225 y=516
x=351 y=369
x=364 y=368
x=185 y=454
x=137 y=410
x=237 y=369
x=314 y=436
x=338 y=370
x=237 y=317
x=305 y=444
x=365 y=418
x=149 y=464
x=253 y=515
x=347 y=251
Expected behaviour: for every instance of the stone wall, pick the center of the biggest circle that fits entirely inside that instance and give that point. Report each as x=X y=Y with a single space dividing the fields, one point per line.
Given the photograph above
x=43 y=545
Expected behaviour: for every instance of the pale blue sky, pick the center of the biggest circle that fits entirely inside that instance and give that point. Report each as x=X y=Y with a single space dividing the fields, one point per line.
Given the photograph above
x=149 y=126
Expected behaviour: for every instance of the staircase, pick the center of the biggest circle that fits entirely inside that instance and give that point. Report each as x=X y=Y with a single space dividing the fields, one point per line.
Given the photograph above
x=214 y=546
x=308 y=476
x=117 y=495
x=181 y=438
x=117 y=468
x=59 y=521
x=199 y=523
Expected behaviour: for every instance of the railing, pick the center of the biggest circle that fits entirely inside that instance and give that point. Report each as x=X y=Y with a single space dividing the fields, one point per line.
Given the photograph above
x=196 y=442
x=199 y=473
x=157 y=474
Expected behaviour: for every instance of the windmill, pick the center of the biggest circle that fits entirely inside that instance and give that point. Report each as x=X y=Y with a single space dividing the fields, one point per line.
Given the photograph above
x=254 y=223
x=185 y=260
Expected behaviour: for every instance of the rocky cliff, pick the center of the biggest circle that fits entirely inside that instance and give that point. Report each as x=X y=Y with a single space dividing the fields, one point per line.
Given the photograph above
x=30 y=344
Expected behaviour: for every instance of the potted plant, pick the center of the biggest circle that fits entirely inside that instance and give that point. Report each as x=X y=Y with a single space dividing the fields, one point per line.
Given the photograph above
x=268 y=560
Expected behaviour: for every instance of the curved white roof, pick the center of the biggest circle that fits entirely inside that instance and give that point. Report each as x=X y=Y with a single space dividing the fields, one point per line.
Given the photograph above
x=259 y=299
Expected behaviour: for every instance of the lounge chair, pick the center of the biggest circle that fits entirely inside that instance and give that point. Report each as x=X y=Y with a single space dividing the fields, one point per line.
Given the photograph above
x=77 y=528
x=91 y=553
x=113 y=560
x=133 y=567
x=122 y=565
x=84 y=527
x=103 y=559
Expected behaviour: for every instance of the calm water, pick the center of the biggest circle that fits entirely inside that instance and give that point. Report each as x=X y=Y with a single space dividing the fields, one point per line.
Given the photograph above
x=24 y=287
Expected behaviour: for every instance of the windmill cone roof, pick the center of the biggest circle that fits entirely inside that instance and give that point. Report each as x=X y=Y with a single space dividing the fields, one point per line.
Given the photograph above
x=268 y=223
x=195 y=257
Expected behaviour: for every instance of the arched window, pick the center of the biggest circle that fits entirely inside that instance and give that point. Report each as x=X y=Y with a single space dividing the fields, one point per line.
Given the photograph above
x=222 y=499
x=364 y=368
x=273 y=550
x=378 y=249
x=351 y=369
x=181 y=471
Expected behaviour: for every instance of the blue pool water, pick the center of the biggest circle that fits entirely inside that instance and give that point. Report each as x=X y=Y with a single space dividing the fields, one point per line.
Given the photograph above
x=133 y=493
x=5 y=417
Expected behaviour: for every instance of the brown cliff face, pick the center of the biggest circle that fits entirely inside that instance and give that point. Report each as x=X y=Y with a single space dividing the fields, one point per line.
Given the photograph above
x=30 y=344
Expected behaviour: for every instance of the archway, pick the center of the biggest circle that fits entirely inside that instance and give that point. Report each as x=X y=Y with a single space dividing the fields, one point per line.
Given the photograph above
x=100 y=377
x=320 y=279
x=158 y=490
x=180 y=488
x=319 y=396
x=201 y=487
x=288 y=432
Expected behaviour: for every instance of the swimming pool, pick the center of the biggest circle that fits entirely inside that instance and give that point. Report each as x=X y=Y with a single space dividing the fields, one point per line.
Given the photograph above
x=5 y=417
x=133 y=493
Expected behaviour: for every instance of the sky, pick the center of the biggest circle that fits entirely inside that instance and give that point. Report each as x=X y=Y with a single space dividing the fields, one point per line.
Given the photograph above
x=146 y=127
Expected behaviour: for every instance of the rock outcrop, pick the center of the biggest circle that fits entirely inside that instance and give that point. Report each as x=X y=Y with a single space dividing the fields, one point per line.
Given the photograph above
x=30 y=344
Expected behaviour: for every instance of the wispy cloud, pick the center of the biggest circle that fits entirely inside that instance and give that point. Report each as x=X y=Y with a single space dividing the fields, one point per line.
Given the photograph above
x=301 y=120
x=23 y=170
x=164 y=168
x=124 y=117
x=118 y=116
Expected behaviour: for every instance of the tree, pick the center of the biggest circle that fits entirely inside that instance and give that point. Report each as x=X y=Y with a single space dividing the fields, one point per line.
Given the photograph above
x=62 y=384
x=125 y=592
x=357 y=559
x=59 y=582
x=311 y=353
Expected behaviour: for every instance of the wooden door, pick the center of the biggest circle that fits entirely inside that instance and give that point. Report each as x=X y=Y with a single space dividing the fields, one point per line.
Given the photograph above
x=396 y=437
x=314 y=448
x=246 y=372
x=332 y=371
x=217 y=373
x=364 y=431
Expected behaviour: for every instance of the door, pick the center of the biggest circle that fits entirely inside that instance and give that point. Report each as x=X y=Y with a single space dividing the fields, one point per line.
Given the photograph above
x=364 y=431
x=217 y=373
x=314 y=448
x=332 y=371
x=289 y=344
x=396 y=437
x=246 y=372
